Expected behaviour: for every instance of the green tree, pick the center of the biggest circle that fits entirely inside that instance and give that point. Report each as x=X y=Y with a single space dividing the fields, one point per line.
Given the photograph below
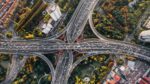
x=9 y=34
x=120 y=61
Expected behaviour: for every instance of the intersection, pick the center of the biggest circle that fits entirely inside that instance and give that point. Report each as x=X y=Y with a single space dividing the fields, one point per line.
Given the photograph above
x=73 y=30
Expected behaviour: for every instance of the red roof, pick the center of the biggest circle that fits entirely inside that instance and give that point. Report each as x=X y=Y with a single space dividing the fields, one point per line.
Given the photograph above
x=111 y=82
x=117 y=78
x=7 y=0
x=145 y=80
x=142 y=82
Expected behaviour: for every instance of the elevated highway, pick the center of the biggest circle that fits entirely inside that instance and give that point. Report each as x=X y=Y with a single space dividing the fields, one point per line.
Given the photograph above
x=14 y=69
x=43 y=47
x=79 y=19
x=62 y=68
x=74 y=29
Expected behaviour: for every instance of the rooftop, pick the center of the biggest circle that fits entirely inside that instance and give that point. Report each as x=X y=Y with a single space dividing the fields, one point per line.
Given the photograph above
x=145 y=36
x=147 y=23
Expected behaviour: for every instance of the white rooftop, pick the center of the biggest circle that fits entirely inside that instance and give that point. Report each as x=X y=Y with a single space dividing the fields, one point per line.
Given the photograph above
x=43 y=26
x=122 y=68
x=46 y=30
x=131 y=64
x=145 y=36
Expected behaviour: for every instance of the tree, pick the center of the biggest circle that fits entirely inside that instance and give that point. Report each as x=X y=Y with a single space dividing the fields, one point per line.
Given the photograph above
x=46 y=18
x=122 y=3
x=9 y=34
x=104 y=68
x=29 y=36
x=118 y=16
x=120 y=61
x=2 y=73
x=37 y=32
x=95 y=21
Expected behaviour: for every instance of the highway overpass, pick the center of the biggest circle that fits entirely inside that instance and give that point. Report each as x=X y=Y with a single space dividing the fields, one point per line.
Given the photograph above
x=46 y=46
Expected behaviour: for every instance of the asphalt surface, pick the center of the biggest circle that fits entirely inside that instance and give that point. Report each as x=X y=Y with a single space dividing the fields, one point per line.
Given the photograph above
x=65 y=65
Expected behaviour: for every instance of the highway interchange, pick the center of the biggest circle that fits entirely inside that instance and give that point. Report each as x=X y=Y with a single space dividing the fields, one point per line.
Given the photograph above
x=75 y=27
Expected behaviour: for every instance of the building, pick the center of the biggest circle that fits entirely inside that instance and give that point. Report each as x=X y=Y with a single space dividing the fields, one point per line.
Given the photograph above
x=131 y=65
x=110 y=82
x=54 y=11
x=145 y=36
x=131 y=4
x=147 y=23
x=145 y=78
x=86 y=80
x=47 y=27
x=6 y=10
x=115 y=80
